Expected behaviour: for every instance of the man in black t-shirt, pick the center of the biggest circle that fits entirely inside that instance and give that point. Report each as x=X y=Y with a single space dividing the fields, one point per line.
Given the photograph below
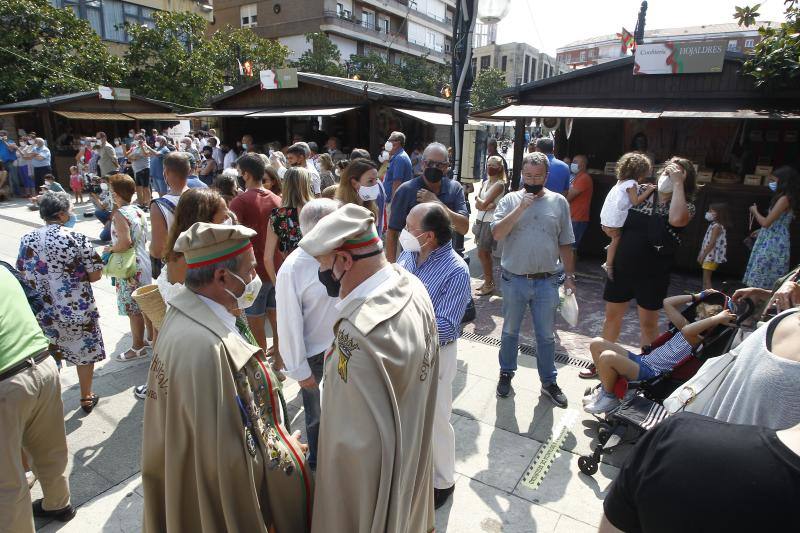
x=693 y=473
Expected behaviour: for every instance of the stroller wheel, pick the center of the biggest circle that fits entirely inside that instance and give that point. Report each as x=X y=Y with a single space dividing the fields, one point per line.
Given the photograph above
x=603 y=434
x=587 y=464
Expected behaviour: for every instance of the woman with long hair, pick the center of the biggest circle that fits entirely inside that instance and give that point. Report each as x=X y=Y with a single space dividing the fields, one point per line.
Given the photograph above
x=770 y=257
x=492 y=190
x=284 y=232
x=272 y=182
x=359 y=185
x=326 y=168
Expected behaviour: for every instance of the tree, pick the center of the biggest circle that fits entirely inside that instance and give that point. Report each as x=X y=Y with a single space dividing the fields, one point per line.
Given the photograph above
x=486 y=88
x=175 y=62
x=323 y=57
x=47 y=51
x=776 y=58
x=373 y=67
x=424 y=76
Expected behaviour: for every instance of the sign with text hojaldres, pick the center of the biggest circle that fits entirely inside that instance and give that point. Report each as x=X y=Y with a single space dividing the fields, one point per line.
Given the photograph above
x=679 y=57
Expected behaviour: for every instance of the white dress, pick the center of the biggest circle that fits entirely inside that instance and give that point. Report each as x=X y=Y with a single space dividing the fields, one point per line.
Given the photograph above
x=616 y=205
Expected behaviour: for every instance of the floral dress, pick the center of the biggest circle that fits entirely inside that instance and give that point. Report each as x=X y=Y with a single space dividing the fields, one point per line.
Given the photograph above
x=285 y=223
x=717 y=254
x=56 y=262
x=137 y=224
x=770 y=257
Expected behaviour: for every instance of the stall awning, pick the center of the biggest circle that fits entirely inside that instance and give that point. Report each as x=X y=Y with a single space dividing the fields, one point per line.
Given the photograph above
x=217 y=113
x=89 y=115
x=439 y=119
x=154 y=116
x=551 y=111
x=9 y=113
x=751 y=114
x=303 y=112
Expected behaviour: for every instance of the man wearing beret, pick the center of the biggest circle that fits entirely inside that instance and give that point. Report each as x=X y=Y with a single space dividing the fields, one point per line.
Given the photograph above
x=217 y=454
x=374 y=461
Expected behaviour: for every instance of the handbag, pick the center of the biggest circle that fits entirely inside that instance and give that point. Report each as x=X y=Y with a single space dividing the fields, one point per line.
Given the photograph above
x=121 y=265
x=694 y=395
x=750 y=241
x=660 y=237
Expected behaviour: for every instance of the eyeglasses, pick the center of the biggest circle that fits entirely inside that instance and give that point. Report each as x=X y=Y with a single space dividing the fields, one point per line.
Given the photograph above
x=441 y=165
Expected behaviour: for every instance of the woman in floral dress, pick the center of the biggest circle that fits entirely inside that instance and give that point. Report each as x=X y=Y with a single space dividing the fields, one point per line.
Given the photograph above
x=129 y=230
x=770 y=257
x=61 y=265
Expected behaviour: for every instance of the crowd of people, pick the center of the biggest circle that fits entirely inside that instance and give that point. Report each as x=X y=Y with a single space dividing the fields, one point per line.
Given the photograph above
x=355 y=270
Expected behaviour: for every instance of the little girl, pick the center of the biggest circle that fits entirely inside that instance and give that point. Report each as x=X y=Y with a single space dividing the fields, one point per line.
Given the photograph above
x=632 y=168
x=76 y=184
x=715 y=243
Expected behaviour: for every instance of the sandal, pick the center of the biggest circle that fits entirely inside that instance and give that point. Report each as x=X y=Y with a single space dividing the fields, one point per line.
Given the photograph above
x=92 y=401
x=485 y=290
x=137 y=354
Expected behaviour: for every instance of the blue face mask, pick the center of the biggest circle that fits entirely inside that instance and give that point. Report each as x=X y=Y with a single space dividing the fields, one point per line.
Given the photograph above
x=773 y=186
x=71 y=222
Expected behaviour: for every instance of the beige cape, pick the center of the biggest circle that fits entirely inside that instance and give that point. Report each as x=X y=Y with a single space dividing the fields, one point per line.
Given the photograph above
x=375 y=469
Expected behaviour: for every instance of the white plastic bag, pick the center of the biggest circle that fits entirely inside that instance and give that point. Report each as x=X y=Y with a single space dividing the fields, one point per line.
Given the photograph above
x=568 y=305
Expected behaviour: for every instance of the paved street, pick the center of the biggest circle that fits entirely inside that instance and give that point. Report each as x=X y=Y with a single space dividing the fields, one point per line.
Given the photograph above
x=496 y=439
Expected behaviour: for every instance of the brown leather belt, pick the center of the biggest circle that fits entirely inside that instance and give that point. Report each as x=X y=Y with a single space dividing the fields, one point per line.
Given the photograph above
x=24 y=365
x=538 y=275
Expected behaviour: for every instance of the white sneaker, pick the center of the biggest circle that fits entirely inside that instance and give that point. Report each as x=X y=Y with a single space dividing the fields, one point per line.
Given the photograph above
x=592 y=396
x=603 y=404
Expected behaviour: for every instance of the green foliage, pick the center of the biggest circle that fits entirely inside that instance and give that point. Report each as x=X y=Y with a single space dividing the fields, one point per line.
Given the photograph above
x=486 y=88
x=48 y=51
x=229 y=43
x=414 y=73
x=776 y=58
x=323 y=58
x=747 y=15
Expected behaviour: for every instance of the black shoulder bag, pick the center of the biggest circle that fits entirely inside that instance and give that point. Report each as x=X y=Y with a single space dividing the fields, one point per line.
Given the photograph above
x=664 y=241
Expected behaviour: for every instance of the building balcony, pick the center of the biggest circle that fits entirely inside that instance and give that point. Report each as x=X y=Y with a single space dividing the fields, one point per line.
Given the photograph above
x=353 y=28
x=400 y=8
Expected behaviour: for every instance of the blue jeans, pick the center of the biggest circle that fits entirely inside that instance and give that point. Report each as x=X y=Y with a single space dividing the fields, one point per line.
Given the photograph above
x=105 y=217
x=312 y=408
x=541 y=296
x=160 y=185
x=578 y=229
x=13 y=178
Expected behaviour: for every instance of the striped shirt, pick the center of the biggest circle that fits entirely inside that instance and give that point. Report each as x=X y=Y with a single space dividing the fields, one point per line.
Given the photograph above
x=446 y=276
x=669 y=354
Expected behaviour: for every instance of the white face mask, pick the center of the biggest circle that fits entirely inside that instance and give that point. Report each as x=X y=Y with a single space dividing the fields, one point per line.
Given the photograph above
x=30 y=143
x=664 y=184
x=383 y=157
x=710 y=216
x=388 y=146
x=369 y=193
x=573 y=167
x=409 y=242
x=104 y=187
x=158 y=145
x=250 y=292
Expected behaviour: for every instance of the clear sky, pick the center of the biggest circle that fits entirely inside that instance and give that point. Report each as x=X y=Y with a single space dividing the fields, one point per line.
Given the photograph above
x=548 y=24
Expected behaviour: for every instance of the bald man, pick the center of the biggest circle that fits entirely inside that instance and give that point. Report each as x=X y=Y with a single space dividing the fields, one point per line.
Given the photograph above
x=428 y=254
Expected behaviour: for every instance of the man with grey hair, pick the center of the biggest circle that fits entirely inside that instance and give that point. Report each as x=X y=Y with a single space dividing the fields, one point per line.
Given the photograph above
x=306 y=320
x=535 y=225
x=400 y=169
x=216 y=454
x=432 y=186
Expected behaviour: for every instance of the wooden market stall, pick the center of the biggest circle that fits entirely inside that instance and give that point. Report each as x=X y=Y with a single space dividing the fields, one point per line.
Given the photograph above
x=359 y=113
x=62 y=120
x=733 y=131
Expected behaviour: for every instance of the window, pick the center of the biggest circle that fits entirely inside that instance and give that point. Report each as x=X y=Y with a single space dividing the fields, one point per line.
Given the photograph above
x=106 y=17
x=368 y=19
x=534 y=63
x=733 y=45
x=249 y=15
x=486 y=62
x=583 y=56
x=504 y=63
x=474 y=66
x=749 y=43
x=527 y=75
x=384 y=25
x=340 y=9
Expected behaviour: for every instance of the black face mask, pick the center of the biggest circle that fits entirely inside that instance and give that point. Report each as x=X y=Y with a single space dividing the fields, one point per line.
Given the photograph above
x=332 y=285
x=433 y=174
x=533 y=189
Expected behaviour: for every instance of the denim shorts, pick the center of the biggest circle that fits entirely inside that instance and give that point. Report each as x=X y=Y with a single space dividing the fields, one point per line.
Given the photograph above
x=264 y=301
x=645 y=372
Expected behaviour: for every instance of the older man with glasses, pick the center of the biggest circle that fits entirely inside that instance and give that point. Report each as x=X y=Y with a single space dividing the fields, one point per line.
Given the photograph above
x=432 y=186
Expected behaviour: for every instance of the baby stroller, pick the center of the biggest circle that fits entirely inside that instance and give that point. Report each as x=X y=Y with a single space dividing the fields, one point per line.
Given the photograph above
x=640 y=408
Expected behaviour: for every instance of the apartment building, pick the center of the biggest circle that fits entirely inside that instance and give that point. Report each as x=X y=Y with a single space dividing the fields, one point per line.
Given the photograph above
x=390 y=28
x=605 y=48
x=107 y=17
x=521 y=62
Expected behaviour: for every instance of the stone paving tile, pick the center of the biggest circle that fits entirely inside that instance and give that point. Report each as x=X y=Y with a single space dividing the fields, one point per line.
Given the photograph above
x=476 y=507
x=570 y=525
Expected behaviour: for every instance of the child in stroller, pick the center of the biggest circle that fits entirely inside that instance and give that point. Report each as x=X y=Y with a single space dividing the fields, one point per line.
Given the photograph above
x=613 y=361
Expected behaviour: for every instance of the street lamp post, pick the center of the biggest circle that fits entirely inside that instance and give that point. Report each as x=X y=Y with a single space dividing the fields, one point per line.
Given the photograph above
x=467 y=13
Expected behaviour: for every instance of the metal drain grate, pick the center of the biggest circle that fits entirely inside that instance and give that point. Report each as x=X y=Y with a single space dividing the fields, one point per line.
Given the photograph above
x=527 y=349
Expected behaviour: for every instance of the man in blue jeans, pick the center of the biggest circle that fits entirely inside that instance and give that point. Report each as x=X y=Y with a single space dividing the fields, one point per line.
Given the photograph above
x=535 y=225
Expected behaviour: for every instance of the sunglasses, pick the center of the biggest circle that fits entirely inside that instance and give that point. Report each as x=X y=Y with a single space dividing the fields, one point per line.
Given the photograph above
x=441 y=165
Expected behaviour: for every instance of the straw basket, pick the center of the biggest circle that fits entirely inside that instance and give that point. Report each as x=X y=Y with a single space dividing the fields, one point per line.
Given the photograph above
x=151 y=303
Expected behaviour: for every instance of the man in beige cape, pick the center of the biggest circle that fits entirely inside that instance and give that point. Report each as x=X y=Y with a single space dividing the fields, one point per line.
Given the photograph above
x=216 y=455
x=374 y=462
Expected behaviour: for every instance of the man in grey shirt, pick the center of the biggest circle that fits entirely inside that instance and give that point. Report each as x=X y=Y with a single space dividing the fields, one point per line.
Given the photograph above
x=536 y=228
x=139 y=156
x=107 y=160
